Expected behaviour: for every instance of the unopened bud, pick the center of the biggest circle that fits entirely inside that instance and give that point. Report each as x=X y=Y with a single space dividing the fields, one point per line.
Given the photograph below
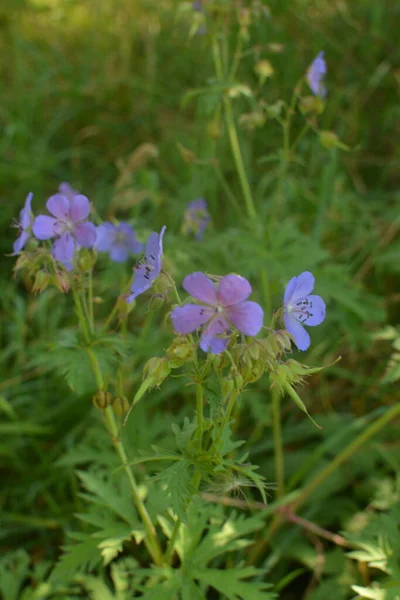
x=120 y=405
x=156 y=370
x=85 y=260
x=156 y=302
x=227 y=386
x=42 y=280
x=329 y=140
x=102 y=399
x=179 y=352
x=264 y=70
x=61 y=281
x=311 y=105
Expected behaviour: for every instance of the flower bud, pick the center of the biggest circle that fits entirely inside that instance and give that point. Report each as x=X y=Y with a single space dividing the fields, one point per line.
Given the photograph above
x=274 y=110
x=214 y=130
x=311 y=105
x=180 y=351
x=42 y=280
x=102 y=399
x=85 y=260
x=329 y=140
x=61 y=281
x=120 y=405
x=156 y=370
x=264 y=70
x=156 y=302
x=227 y=386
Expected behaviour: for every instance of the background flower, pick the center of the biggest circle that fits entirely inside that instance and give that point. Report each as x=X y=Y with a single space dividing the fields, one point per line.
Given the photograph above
x=24 y=224
x=150 y=267
x=225 y=307
x=196 y=218
x=315 y=75
x=301 y=308
x=68 y=224
x=118 y=240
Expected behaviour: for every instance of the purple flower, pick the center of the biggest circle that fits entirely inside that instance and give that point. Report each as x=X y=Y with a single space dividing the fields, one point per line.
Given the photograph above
x=118 y=240
x=149 y=268
x=315 y=75
x=68 y=224
x=196 y=218
x=222 y=308
x=301 y=308
x=24 y=224
x=65 y=189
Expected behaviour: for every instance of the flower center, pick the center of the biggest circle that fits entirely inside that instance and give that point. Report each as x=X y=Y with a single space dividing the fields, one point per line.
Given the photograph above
x=301 y=309
x=120 y=238
x=65 y=225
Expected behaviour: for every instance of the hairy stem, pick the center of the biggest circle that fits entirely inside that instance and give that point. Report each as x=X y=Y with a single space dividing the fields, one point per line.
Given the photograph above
x=278 y=449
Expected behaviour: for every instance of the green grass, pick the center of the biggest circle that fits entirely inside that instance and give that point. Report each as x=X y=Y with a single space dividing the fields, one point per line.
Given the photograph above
x=85 y=84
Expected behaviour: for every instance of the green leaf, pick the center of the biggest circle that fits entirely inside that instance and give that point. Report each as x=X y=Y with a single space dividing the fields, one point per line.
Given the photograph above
x=179 y=486
x=77 y=556
x=231 y=585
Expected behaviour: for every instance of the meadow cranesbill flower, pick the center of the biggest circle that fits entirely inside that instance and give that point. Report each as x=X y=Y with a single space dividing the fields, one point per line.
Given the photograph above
x=196 y=218
x=118 y=240
x=68 y=224
x=315 y=75
x=65 y=189
x=223 y=308
x=149 y=268
x=24 y=225
x=301 y=308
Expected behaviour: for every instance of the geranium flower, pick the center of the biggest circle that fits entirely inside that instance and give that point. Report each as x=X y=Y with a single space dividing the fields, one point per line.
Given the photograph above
x=223 y=308
x=24 y=225
x=196 y=218
x=302 y=309
x=68 y=224
x=149 y=268
x=65 y=189
x=315 y=75
x=118 y=240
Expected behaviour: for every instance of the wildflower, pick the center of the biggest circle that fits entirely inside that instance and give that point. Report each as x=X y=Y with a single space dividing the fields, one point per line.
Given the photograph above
x=149 y=268
x=224 y=307
x=196 y=218
x=68 y=224
x=118 y=240
x=301 y=308
x=315 y=74
x=65 y=189
x=24 y=224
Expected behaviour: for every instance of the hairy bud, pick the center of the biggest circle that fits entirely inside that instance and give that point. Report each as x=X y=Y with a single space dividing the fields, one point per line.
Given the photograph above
x=102 y=399
x=120 y=405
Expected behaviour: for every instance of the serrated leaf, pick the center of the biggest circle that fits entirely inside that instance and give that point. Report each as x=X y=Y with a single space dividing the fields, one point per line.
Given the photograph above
x=179 y=486
x=76 y=557
x=231 y=585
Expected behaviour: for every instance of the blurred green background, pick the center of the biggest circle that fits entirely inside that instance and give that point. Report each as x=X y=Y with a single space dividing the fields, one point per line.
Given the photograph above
x=93 y=92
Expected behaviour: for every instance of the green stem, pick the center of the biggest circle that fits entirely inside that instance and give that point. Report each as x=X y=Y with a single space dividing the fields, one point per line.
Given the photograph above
x=151 y=540
x=346 y=454
x=81 y=316
x=199 y=408
x=278 y=449
x=90 y=300
x=316 y=482
x=171 y=544
x=233 y=138
x=237 y=155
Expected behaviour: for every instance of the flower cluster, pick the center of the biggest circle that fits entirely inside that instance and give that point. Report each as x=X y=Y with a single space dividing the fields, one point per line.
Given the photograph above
x=221 y=309
x=69 y=226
